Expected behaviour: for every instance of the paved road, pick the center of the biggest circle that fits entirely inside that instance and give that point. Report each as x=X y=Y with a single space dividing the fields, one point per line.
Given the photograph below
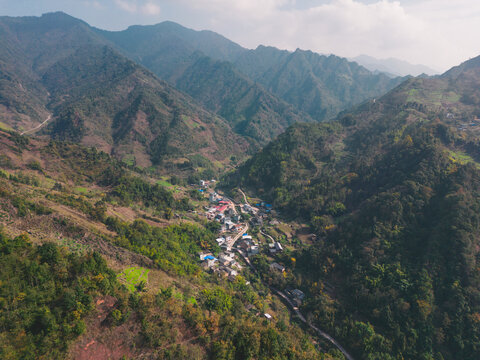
x=287 y=300
x=234 y=240
x=317 y=330
x=297 y=312
x=37 y=127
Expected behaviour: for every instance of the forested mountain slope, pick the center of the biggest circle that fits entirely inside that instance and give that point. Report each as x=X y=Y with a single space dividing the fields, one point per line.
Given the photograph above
x=250 y=110
x=199 y=63
x=314 y=84
x=57 y=65
x=95 y=265
x=392 y=191
x=317 y=84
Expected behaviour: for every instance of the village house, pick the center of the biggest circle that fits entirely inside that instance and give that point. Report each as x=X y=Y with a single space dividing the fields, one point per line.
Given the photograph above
x=271 y=248
x=208 y=263
x=277 y=267
x=214 y=197
x=253 y=250
x=278 y=246
x=225 y=258
x=296 y=293
x=204 y=255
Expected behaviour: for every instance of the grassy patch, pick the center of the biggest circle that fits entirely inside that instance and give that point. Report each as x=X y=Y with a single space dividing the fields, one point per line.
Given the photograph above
x=462 y=158
x=81 y=190
x=164 y=183
x=5 y=127
x=452 y=97
x=132 y=277
x=412 y=95
x=74 y=246
x=129 y=159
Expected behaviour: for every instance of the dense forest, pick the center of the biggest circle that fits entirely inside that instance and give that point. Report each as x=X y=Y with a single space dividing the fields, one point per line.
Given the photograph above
x=391 y=189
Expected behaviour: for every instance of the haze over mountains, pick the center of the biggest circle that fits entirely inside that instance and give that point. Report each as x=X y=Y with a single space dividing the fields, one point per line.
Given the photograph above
x=393 y=66
x=317 y=85
x=247 y=89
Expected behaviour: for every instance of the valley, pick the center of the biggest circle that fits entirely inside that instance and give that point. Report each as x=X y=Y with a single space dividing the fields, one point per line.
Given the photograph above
x=166 y=193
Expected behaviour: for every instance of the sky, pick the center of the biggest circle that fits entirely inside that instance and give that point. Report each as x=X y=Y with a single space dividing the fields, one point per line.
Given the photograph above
x=436 y=33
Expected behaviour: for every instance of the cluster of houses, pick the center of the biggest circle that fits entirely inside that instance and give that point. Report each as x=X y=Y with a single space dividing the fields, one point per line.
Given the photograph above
x=225 y=265
x=471 y=123
x=206 y=183
x=260 y=213
x=223 y=211
x=247 y=245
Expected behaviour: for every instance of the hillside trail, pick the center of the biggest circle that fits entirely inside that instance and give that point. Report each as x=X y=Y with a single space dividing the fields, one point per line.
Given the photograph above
x=37 y=127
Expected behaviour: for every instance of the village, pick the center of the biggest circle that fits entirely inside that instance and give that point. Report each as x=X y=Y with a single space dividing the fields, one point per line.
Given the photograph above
x=235 y=241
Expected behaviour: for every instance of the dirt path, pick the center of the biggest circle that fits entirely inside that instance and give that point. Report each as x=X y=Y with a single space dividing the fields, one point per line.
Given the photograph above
x=37 y=127
x=269 y=236
x=244 y=196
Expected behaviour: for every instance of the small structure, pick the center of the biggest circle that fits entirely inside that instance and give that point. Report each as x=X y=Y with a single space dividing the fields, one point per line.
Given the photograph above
x=278 y=246
x=271 y=248
x=208 y=264
x=213 y=197
x=253 y=250
x=231 y=272
x=298 y=294
x=229 y=224
x=225 y=259
x=277 y=267
x=203 y=256
x=268 y=316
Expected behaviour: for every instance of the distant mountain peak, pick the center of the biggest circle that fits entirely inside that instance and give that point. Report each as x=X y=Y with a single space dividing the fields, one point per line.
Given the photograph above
x=393 y=66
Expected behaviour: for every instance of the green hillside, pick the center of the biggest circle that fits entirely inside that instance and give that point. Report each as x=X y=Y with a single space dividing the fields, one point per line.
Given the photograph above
x=319 y=85
x=98 y=97
x=391 y=189
x=93 y=264
x=250 y=110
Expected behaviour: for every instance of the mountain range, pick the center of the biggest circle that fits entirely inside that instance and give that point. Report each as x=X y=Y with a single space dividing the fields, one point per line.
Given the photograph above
x=391 y=188
x=314 y=84
x=379 y=177
x=392 y=66
x=230 y=97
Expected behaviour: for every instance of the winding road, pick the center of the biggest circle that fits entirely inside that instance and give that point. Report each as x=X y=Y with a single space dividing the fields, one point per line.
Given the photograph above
x=37 y=127
x=293 y=308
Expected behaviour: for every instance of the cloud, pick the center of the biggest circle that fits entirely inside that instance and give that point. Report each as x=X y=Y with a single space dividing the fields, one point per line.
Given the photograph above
x=127 y=5
x=150 y=8
x=94 y=4
x=145 y=8
x=434 y=32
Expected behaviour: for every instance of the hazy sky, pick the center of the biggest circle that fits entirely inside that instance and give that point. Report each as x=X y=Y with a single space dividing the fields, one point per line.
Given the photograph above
x=437 y=33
